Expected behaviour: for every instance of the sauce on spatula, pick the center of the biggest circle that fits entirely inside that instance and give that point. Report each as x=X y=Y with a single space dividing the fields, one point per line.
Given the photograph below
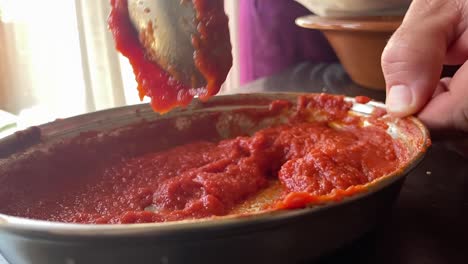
x=212 y=56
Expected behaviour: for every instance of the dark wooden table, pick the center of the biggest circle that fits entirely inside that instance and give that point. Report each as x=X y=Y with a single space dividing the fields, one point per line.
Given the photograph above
x=429 y=223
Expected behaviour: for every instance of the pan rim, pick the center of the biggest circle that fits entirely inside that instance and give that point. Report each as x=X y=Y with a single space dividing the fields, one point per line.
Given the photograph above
x=40 y=228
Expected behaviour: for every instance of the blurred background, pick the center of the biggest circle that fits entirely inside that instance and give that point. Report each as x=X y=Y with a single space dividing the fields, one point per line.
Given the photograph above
x=57 y=59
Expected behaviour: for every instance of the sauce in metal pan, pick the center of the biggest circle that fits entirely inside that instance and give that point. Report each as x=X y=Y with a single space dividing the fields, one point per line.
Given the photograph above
x=305 y=161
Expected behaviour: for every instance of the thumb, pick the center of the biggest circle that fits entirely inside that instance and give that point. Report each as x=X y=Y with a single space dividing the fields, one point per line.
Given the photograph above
x=413 y=59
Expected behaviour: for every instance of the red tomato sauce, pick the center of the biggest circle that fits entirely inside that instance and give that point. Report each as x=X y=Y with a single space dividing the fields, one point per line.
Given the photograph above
x=312 y=162
x=212 y=56
x=362 y=99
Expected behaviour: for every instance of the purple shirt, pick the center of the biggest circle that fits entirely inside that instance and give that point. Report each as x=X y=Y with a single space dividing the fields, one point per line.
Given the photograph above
x=270 y=41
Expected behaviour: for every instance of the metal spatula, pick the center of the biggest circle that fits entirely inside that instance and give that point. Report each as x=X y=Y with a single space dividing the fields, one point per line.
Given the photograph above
x=166 y=28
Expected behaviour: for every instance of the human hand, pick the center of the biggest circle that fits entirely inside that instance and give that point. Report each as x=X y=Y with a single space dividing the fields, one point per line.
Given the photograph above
x=433 y=33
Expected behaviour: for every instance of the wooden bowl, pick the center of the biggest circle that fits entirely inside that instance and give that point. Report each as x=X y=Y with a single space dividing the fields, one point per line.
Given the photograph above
x=358 y=43
x=356 y=8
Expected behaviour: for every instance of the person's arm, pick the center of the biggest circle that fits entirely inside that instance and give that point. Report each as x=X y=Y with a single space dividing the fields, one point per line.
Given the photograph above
x=271 y=42
x=433 y=33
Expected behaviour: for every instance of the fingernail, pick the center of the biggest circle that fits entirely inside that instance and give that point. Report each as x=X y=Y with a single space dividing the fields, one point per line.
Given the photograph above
x=399 y=99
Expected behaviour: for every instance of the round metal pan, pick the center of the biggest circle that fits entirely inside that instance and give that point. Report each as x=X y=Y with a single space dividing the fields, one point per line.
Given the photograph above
x=293 y=236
